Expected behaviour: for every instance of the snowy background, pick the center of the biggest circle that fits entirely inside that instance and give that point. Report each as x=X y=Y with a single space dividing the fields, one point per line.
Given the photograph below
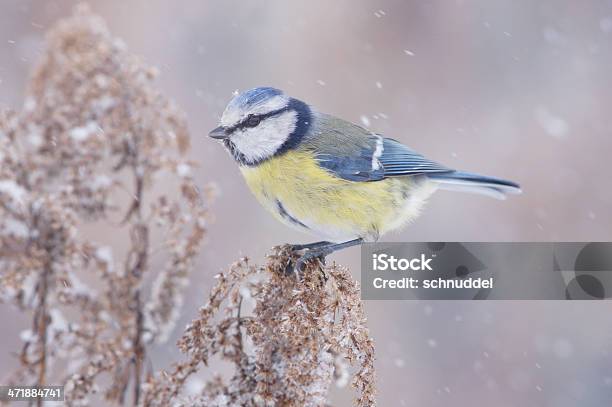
x=516 y=89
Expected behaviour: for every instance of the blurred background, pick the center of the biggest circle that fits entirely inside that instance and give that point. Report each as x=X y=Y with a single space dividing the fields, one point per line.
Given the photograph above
x=516 y=89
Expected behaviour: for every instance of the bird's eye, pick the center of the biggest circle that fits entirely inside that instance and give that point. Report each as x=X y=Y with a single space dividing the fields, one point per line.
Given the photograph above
x=253 y=121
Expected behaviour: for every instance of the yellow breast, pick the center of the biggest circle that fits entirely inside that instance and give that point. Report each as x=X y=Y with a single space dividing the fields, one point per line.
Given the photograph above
x=302 y=194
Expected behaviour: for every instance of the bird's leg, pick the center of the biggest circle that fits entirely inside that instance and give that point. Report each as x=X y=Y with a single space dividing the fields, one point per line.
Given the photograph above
x=322 y=251
x=298 y=247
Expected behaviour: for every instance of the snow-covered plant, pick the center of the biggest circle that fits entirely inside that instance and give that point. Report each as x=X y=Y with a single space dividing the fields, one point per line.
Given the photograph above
x=93 y=143
x=287 y=338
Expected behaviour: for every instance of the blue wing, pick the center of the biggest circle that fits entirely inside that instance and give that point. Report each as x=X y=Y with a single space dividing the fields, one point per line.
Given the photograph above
x=377 y=159
x=363 y=156
x=355 y=154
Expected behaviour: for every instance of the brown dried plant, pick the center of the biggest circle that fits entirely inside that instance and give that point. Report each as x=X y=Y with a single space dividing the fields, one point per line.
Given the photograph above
x=286 y=351
x=95 y=144
x=94 y=132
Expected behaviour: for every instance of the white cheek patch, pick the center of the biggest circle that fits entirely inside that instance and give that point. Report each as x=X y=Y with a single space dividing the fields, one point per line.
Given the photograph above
x=232 y=115
x=263 y=141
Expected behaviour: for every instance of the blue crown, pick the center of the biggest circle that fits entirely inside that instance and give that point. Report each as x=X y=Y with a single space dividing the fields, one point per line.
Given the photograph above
x=253 y=97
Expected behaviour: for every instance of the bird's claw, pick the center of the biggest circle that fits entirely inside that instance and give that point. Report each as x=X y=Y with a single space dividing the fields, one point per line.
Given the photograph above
x=298 y=266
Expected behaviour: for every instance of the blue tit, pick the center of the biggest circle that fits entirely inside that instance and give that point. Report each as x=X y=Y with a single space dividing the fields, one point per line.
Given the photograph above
x=330 y=177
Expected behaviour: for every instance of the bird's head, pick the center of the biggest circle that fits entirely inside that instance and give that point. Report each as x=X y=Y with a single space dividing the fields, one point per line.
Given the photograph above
x=260 y=123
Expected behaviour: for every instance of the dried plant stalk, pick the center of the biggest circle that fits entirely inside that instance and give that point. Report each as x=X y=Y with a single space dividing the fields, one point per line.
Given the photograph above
x=94 y=132
x=286 y=351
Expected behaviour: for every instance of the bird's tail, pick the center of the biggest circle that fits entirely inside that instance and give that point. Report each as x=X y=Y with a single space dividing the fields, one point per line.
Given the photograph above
x=475 y=183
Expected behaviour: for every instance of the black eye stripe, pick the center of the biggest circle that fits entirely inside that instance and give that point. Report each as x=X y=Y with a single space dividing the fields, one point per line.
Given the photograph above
x=244 y=123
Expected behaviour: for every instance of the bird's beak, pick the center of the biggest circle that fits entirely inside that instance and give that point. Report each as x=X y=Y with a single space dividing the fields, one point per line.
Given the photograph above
x=218 y=133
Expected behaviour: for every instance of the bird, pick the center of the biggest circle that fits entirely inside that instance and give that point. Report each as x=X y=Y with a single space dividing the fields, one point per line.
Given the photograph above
x=339 y=181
